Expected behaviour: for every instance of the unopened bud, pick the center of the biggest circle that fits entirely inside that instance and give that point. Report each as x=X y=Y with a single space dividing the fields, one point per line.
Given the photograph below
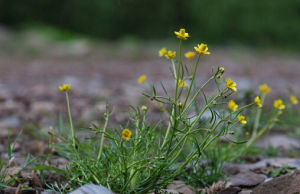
x=144 y=108
x=179 y=104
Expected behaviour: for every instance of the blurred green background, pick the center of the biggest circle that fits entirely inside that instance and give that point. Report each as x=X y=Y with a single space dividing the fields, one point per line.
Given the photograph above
x=258 y=23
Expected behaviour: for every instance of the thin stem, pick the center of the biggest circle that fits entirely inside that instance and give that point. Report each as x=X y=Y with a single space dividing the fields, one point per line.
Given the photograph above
x=70 y=120
x=195 y=96
x=261 y=132
x=172 y=120
x=103 y=134
x=174 y=69
x=192 y=81
x=257 y=117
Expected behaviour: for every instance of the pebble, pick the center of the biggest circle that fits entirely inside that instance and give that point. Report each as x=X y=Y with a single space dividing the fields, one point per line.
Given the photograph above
x=92 y=189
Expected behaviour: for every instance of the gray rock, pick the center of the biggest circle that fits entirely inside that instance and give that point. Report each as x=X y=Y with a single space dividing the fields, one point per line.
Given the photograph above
x=167 y=191
x=13 y=190
x=42 y=108
x=246 y=192
x=288 y=184
x=246 y=179
x=10 y=122
x=230 y=190
x=92 y=189
x=277 y=141
x=276 y=162
x=181 y=187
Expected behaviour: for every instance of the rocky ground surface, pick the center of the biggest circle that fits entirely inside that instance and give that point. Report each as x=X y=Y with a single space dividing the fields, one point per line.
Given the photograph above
x=32 y=67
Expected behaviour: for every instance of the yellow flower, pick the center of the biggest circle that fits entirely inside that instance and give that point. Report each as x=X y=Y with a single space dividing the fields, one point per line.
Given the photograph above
x=231 y=84
x=293 y=100
x=182 y=34
x=142 y=79
x=144 y=108
x=162 y=52
x=258 y=101
x=279 y=104
x=170 y=55
x=202 y=49
x=264 y=88
x=232 y=105
x=126 y=134
x=190 y=55
x=241 y=119
x=182 y=83
x=65 y=87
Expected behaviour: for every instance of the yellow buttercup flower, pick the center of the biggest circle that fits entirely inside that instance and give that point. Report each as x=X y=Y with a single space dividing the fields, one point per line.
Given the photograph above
x=232 y=105
x=170 y=55
x=231 y=84
x=190 y=55
x=202 y=49
x=126 y=134
x=241 y=119
x=258 y=101
x=144 y=108
x=142 y=79
x=293 y=100
x=162 y=52
x=65 y=87
x=182 y=34
x=264 y=88
x=279 y=104
x=182 y=83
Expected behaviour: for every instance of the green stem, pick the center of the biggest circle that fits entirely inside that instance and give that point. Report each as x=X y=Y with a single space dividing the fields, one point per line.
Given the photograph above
x=172 y=120
x=134 y=173
x=195 y=96
x=103 y=135
x=261 y=132
x=183 y=139
x=257 y=117
x=192 y=81
x=70 y=120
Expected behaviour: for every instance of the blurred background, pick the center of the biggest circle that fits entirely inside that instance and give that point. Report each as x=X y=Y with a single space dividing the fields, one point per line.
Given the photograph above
x=254 y=23
x=102 y=46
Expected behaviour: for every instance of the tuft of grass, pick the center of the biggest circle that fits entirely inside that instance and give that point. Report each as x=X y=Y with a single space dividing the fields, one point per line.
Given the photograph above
x=144 y=157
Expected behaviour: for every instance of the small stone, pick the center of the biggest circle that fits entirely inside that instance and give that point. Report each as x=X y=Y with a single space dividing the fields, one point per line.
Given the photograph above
x=246 y=179
x=275 y=162
x=287 y=184
x=34 y=180
x=9 y=122
x=181 y=187
x=278 y=141
x=246 y=192
x=41 y=108
x=36 y=147
x=92 y=189
x=13 y=190
x=167 y=191
x=230 y=190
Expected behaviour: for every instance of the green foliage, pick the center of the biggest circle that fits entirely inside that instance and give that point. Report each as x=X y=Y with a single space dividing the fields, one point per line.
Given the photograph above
x=147 y=157
x=255 y=22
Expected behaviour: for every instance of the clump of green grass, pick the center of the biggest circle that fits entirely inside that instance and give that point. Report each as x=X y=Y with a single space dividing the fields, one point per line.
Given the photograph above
x=143 y=157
